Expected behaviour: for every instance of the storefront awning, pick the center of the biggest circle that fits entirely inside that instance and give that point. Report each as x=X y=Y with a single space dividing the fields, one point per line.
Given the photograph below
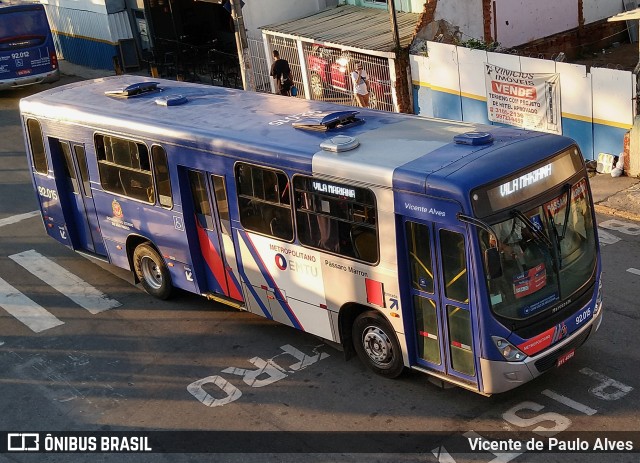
x=358 y=28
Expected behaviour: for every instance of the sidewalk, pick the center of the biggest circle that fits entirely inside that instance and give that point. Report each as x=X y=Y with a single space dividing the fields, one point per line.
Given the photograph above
x=71 y=69
x=618 y=196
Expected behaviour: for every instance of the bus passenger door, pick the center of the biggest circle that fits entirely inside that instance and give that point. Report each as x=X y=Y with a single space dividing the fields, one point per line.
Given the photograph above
x=443 y=333
x=82 y=220
x=216 y=258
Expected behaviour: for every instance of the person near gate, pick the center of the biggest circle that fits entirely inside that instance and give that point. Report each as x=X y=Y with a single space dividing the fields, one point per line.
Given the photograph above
x=360 y=86
x=281 y=73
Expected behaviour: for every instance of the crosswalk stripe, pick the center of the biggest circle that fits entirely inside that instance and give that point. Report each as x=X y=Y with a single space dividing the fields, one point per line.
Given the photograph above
x=24 y=309
x=18 y=218
x=72 y=286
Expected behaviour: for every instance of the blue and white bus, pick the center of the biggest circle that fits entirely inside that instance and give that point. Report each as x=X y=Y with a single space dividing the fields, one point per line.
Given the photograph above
x=467 y=252
x=27 y=52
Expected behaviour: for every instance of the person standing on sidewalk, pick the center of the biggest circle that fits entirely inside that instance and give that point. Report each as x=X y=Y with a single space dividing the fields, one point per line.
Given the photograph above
x=281 y=73
x=360 y=87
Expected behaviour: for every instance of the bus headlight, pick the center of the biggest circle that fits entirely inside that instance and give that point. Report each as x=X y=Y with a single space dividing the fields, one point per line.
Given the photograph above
x=510 y=352
x=598 y=306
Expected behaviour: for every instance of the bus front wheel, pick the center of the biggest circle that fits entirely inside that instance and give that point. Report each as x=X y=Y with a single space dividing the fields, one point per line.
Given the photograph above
x=376 y=344
x=152 y=272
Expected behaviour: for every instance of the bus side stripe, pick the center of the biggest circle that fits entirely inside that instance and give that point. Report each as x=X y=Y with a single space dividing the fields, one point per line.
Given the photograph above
x=234 y=286
x=271 y=281
x=212 y=258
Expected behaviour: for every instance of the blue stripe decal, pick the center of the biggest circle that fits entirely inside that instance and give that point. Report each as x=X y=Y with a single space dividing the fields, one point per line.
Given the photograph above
x=591 y=138
x=270 y=281
x=251 y=289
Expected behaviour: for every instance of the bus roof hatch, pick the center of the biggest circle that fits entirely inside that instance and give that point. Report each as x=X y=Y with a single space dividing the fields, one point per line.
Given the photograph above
x=323 y=122
x=133 y=90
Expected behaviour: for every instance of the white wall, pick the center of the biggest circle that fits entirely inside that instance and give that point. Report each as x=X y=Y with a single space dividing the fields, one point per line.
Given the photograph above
x=522 y=21
x=263 y=12
x=595 y=10
x=466 y=14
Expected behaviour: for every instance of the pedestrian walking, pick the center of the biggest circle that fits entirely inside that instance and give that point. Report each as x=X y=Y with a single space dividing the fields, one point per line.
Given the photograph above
x=360 y=87
x=281 y=73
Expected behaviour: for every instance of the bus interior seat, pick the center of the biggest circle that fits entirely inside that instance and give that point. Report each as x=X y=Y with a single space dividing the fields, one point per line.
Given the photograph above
x=364 y=244
x=280 y=228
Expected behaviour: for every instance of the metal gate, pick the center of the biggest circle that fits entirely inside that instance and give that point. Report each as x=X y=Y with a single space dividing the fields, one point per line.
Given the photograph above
x=326 y=71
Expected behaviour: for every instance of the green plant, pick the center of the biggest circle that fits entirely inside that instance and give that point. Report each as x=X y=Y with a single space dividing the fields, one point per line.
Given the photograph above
x=477 y=44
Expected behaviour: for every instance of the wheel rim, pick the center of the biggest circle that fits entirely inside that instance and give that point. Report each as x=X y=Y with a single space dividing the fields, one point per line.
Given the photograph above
x=151 y=272
x=316 y=86
x=377 y=345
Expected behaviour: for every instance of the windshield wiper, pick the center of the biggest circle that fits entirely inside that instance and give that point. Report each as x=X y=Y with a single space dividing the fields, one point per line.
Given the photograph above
x=531 y=226
x=567 y=209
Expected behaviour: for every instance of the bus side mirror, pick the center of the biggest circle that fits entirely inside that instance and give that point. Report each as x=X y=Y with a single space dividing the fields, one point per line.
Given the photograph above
x=492 y=265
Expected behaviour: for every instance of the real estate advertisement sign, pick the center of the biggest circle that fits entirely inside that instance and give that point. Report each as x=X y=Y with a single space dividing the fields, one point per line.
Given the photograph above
x=523 y=99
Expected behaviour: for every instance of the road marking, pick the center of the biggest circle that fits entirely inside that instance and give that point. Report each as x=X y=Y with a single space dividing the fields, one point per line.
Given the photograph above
x=36 y=317
x=18 y=218
x=635 y=271
x=569 y=402
x=72 y=286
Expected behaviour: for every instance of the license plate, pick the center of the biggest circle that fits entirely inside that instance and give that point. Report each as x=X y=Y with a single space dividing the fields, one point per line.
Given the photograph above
x=565 y=357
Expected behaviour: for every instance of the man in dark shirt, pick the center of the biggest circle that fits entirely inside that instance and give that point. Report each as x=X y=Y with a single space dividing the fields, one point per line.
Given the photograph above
x=281 y=72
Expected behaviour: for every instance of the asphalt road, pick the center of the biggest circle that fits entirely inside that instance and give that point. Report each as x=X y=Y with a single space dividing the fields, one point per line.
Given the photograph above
x=190 y=365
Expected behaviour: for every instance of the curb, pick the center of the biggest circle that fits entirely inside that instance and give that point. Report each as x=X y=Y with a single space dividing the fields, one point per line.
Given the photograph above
x=616 y=212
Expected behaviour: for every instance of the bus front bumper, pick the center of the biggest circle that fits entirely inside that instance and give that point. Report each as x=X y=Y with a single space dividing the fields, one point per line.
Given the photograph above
x=498 y=376
x=16 y=82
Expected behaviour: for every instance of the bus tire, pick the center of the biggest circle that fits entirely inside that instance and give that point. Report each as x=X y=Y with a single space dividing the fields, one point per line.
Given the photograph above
x=377 y=345
x=152 y=272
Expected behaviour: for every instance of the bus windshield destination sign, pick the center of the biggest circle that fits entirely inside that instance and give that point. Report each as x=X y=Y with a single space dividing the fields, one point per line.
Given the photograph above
x=524 y=186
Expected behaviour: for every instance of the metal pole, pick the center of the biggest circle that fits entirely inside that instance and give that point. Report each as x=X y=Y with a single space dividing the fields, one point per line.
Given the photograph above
x=394 y=25
x=243 y=46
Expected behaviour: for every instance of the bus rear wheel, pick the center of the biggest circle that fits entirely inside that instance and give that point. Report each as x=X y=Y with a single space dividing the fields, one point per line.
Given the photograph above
x=377 y=345
x=152 y=272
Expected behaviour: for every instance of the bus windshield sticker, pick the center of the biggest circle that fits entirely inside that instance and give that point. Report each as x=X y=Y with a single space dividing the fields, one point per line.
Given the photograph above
x=530 y=281
x=535 y=307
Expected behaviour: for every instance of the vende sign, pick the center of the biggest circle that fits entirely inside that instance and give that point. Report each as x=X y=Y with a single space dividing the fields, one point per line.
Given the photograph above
x=514 y=90
x=523 y=99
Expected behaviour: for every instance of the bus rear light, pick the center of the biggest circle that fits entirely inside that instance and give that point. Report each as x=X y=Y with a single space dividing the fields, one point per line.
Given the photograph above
x=54 y=59
x=508 y=350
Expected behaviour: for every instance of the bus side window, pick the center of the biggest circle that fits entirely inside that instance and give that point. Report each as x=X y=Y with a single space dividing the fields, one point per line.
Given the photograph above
x=201 y=200
x=124 y=168
x=340 y=219
x=36 y=144
x=419 y=248
x=161 y=171
x=454 y=265
x=263 y=201
x=69 y=169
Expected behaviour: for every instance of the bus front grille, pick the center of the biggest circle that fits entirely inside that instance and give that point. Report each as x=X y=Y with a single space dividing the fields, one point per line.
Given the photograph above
x=549 y=361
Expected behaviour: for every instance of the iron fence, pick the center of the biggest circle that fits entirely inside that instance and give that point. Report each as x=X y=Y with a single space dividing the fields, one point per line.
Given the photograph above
x=327 y=71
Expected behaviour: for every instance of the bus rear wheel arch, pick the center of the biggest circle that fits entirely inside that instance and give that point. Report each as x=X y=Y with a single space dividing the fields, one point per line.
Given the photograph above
x=152 y=271
x=376 y=344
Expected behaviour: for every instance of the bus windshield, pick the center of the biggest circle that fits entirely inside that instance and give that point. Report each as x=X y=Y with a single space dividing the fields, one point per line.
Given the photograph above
x=546 y=254
x=22 y=29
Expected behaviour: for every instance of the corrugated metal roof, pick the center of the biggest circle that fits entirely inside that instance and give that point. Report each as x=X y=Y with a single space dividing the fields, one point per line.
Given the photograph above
x=353 y=26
